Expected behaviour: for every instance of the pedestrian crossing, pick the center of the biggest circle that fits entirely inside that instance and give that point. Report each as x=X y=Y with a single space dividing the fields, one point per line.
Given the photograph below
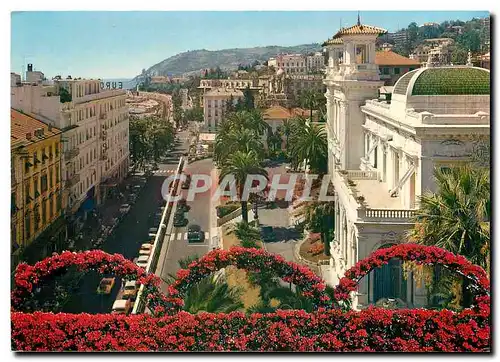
x=164 y=172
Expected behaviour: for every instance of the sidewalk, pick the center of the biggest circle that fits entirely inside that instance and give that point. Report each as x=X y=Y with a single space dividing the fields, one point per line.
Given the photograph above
x=107 y=218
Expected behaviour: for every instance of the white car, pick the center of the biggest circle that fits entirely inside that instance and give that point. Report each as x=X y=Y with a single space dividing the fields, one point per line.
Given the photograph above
x=152 y=232
x=124 y=208
x=121 y=306
x=146 y=246
x=142 y=261
x=145 y=252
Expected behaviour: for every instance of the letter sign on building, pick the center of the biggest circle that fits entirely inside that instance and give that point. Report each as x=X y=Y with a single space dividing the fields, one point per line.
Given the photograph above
x=112 y=85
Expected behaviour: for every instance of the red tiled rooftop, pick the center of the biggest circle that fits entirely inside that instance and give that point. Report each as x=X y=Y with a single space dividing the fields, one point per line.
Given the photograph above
x=21 y=124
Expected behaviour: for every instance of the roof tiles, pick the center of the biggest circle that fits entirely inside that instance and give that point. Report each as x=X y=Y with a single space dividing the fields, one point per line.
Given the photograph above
x=22 y=124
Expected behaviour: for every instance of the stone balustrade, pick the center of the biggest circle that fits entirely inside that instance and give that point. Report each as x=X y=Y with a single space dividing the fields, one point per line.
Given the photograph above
x=368 y=214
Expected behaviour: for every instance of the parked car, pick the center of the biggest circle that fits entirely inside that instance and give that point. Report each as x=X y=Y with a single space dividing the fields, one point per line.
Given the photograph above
x=130 y=290
x=182 y=205
x=195 y=234
x=187 y=182
x=146 y=246
x=267 y=234
x=152 y=232
x=132 y=198
x=121 y=306
x=142 y=261
x=146 y=252
x=179 y=219
x=106 y=285
x=125 y=208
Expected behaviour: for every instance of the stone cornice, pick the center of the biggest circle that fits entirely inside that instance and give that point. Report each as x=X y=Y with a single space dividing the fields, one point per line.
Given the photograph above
x=469 y=132
x=399 y=127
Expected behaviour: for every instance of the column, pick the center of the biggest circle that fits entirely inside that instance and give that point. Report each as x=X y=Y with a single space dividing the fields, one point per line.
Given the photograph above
x=337 y=218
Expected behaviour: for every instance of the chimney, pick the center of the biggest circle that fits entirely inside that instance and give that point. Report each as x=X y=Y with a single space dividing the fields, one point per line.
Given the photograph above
x=28 y=136
x=30 y=67
x=49 y=127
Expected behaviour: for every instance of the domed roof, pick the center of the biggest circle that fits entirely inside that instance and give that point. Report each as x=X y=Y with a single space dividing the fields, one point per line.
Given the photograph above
x=435 y=81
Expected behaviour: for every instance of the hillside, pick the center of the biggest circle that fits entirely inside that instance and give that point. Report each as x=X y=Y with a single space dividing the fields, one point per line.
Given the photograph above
x=196 y=60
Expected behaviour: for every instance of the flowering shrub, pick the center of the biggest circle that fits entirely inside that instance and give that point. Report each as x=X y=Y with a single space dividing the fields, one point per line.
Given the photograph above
x=326 y=329
x=28 y=277
x=317 y=249
x=373 y=329
x=251 y=259
x=418 y=254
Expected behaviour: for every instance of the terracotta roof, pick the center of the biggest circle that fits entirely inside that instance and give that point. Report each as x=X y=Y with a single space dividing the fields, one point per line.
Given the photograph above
x=277 y=112
x=360 y=29
x=302 y=112
x=21 y=124
x=332 y=41
x=391 y=58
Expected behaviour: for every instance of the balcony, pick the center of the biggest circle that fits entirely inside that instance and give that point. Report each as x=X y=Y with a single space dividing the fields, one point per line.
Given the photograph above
x=370 y=198
x=70 y=154
x=103 y=157
x=73 y=180
x=104 y=135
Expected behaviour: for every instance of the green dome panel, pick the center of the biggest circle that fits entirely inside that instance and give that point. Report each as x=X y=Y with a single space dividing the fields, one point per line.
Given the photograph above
x=452 y=81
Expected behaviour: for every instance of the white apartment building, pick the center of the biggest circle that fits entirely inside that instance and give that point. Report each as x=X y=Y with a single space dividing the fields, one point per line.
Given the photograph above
x=292 y=63
x=206 y=85
x=382 y=155
x=315 y=62
x=214 y=105
x=95 y=136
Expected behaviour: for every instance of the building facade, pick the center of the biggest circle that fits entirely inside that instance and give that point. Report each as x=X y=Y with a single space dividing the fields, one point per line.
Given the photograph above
x=95 y=134
x=438 y=48
x=382 y=154
x=214 y=106
x=207 y=85
x=393 y=66
x=37 y=222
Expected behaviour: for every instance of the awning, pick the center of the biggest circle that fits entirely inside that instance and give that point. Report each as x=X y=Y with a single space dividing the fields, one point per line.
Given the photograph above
x=88 y=204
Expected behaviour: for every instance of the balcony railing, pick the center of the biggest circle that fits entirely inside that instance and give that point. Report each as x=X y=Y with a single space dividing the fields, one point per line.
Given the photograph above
x=363 y=211
x=360 y=174
x=73 y=180
x=70 y=154
x=380 y=214
x=103 y=157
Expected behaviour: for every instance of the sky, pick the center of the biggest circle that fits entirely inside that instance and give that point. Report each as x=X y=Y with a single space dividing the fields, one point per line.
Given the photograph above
x=108 y=45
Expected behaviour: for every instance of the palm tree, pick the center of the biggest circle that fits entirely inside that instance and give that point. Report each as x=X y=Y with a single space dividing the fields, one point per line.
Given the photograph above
x=287 y=129
x=213 y=295
x=274 y=139
x=457 y=217
x=310 y=99
x=240 y=165
x=248 y=235
x=255 y=122
x=240 y=139
x=311 y=145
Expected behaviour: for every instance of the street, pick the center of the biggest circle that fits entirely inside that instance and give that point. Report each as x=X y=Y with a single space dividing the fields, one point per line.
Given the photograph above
x=199 y=214
x=128 y=236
